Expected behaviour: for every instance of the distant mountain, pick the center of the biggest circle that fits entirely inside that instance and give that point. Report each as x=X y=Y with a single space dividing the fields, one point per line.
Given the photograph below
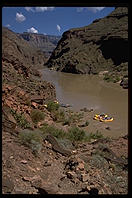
x=102 y=45
x=15 y=48
x=46 y=43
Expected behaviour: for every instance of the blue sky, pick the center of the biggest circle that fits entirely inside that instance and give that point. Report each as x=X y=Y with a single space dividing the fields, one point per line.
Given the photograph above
x=50 y=20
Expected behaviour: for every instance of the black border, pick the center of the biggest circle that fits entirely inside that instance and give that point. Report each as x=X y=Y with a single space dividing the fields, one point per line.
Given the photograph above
x=82 y=3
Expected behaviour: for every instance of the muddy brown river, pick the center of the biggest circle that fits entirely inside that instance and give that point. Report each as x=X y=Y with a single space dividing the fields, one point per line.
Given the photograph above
x=91 y=91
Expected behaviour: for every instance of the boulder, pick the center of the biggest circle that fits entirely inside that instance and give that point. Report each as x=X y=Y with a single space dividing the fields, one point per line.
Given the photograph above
x=71 y=174
x=8 y=121
x=37 y=99
x=81 y=166
x=84 y=177
x=124 y=83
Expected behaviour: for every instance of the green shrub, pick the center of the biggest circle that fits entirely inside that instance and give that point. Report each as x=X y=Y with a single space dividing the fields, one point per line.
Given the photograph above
x=58 y=116
x=111 y=78
x=52 y=106
x=108 y=78
x=37 y=115
x=21 y=120
x=91 y=135
x=58 y=133
x=28 y=102
x=67 y=122
x=76 y=134
x=98 y=161
x=72 y=118
x=32 y=139
x=86 y=123
x=116 y=79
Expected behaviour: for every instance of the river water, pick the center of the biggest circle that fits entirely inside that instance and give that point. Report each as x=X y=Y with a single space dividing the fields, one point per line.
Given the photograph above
x=92 y=92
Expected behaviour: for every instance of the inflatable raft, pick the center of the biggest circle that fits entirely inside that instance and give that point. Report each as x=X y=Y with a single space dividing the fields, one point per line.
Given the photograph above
x=103 y=117
x=99 y=116
x=106 y=119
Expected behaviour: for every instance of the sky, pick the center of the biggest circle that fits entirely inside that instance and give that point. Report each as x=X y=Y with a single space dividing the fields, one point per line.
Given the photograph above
x=50 y=20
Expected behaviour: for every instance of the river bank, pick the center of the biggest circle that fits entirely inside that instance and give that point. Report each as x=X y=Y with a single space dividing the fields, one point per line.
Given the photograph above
x=98 y=166
x=36 y=165
x=90 y=91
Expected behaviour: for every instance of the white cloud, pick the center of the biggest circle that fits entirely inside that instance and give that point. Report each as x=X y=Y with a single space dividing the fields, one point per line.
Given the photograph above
x=58 y=28
x=43 y=9
x=20 y=17
x=44 y=34
x=92 y=9
x=80 y=9
x=8 y=25
x=39 y=9
x=32 y=30
x=95 y=9
x=29 y=9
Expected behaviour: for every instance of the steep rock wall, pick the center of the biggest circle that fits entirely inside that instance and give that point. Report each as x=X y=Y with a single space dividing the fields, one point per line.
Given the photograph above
x=102 y=45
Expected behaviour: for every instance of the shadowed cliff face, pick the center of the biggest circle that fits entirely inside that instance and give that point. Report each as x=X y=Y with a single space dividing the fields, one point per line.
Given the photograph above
x=102 y=45
x=116 y=49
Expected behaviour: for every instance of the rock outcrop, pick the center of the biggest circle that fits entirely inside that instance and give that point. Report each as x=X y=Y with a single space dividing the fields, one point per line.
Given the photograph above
x=22 y=88
x=47 y=43
x=15 y=49
x=20 y=62
x=102 y=45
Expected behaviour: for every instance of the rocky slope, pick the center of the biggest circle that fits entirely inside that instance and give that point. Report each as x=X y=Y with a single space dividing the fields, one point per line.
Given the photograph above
x=46 y=43
x=21 y=83
x=17 y=49
x=36 y=163
x=92 y=169
x=100 y=46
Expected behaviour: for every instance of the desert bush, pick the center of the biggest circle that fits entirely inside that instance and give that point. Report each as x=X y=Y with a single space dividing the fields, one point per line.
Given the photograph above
x=66 y=143
x=116 y=79
x=58 y=133
x=58 y=116
x=21 y=120
x=32 y=139
x=28 y=102
x=52 y=106
x=108 y=77
x=98 y=161
x=72 y=118
x=76 y=134
x=86 y=123
x=96 y=135
x=111 y=78
x=37 y=115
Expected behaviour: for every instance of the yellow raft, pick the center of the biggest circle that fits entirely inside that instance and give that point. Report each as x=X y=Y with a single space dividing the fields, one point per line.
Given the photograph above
x=106 y=119
x=99 y=116
x=103 y=118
